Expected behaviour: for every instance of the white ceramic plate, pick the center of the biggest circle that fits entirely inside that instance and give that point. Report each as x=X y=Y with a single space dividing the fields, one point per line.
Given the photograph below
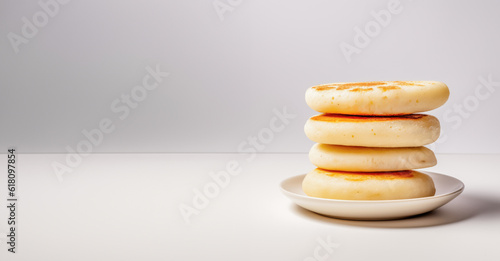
x=447 y=188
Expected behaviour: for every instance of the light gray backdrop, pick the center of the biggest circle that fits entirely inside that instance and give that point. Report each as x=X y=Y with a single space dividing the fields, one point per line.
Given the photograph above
x=231 y=63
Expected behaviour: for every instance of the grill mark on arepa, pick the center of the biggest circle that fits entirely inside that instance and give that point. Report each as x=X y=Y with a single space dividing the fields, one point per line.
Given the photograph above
x=362 y=86
x=353 y=118
x=361 y=176
x=388 y=88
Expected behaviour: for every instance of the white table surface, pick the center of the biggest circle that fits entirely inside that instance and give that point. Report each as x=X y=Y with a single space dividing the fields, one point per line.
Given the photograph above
x=126 y=207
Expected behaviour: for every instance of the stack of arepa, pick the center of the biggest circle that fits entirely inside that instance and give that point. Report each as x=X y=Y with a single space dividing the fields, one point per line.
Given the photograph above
x=370 y=139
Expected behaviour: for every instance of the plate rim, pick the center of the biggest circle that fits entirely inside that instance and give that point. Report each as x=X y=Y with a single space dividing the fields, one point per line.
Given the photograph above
x=459 y=190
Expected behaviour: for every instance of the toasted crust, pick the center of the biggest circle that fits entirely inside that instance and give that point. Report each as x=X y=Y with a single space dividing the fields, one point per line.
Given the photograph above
x=377 y=98
x=397 y=131
x=367 y=186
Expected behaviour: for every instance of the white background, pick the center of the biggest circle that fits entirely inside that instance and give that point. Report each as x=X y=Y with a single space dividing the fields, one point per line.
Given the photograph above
x=227 y=76
x=127 y=207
